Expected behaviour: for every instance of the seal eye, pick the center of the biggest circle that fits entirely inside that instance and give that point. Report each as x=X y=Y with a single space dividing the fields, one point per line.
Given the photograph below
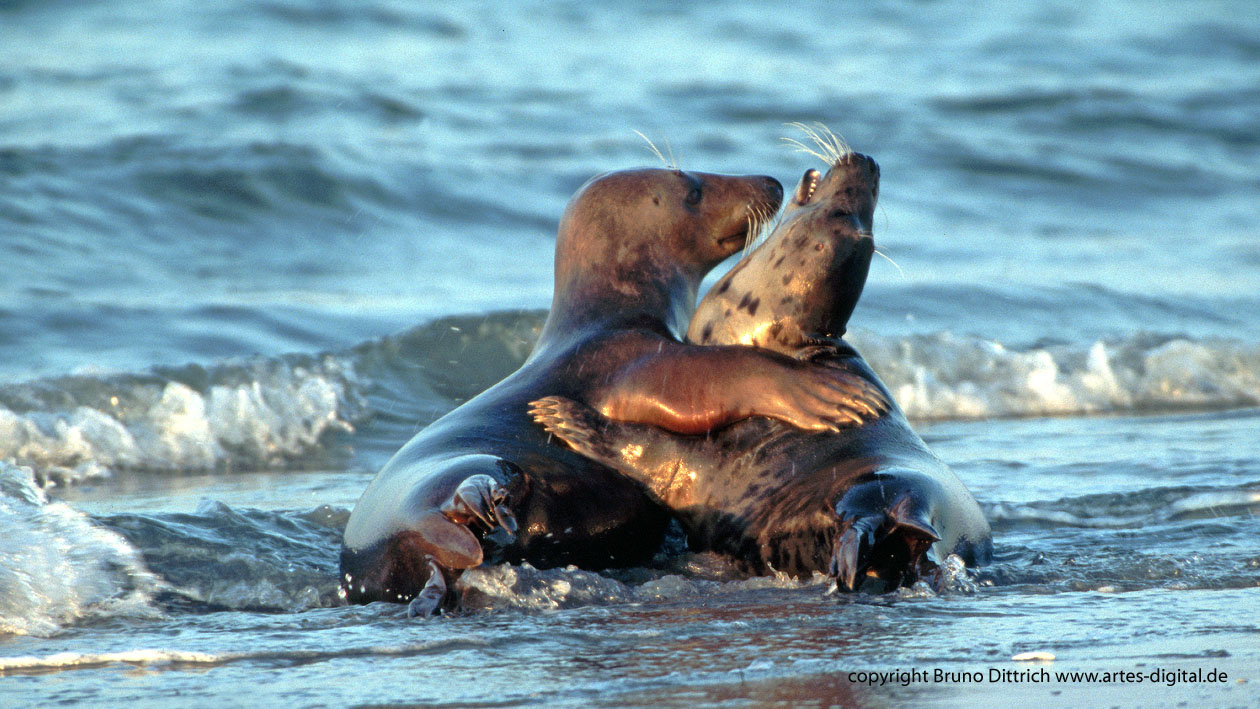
x=693 y=197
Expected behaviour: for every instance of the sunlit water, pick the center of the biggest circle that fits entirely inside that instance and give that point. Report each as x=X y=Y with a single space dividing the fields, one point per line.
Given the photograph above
x=249 y=248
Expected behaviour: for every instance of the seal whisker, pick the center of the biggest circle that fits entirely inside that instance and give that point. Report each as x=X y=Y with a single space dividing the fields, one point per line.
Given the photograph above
x=769 y=224
x=825 y=147
x=802 y=148
x=889 y=260
x=829 y=147
x=751 y=218
x=674 y=163
x=754 y=216
x=756 y=236
x=835 y=143
x=669 y=163
x=760 y=223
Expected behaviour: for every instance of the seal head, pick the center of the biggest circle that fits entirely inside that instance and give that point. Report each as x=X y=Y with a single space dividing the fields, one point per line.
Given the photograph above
x=808 y=277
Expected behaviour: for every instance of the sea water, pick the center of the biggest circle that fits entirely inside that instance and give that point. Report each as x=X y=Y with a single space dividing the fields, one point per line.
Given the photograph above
x=249 y=248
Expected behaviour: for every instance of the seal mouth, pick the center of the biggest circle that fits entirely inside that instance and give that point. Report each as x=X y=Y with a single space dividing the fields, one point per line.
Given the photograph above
x=735 y=240
x=806 y=187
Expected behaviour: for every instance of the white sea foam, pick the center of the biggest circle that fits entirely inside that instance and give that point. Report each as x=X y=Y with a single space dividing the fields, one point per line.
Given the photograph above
x=256 y=414
x=943 y=376
x=160 y=657
x=267 y=412
x=523 y=586
x=75 y=660
x=56 y=566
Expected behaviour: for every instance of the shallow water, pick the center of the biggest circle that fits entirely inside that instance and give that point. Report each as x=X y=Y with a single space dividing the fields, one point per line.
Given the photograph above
x=251 y=248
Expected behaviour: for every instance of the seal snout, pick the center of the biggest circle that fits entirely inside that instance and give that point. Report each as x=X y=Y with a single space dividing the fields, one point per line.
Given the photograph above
x=754 y=214
x=774 y=192
x=767 y=203
x=736 y=239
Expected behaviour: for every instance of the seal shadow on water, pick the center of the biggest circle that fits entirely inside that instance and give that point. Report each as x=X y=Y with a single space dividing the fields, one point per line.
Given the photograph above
x=869 y=504
x=484 y=483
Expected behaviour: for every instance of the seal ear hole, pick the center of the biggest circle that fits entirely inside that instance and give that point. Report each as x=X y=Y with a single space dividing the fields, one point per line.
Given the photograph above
x=841 y=214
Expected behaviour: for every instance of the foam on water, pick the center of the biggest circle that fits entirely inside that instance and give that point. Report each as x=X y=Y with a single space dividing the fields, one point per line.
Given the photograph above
x=686 y=576
x=155 y=657
x=946 y=376
x=274 y=412
x=524 y=587
x=58 y=567
x=264 y=412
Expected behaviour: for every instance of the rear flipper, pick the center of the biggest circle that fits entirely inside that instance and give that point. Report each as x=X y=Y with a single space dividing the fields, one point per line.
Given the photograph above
x=885 y=539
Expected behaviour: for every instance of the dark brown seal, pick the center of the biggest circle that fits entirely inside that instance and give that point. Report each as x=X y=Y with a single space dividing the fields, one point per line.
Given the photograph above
x=869 y=501
x=485 y=482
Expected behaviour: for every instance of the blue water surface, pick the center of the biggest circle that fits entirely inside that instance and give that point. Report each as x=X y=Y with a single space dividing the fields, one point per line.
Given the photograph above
x=249 y=247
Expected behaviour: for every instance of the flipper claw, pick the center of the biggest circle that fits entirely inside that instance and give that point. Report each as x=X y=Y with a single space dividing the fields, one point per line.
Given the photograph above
x=851 y=556
x=575 y=424
x=480 y=500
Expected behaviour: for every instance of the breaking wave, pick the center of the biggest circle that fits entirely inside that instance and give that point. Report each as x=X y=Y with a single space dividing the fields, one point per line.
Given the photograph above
x=222 y=557
x=265 y=413
x=57 y=566
x=255 y=413
x=945 y=376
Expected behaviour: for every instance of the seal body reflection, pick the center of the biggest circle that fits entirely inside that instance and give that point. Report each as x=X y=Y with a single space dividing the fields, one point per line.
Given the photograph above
x=867 y=502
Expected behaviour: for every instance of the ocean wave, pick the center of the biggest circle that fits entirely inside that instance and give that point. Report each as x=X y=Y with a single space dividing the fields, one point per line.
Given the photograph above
x=241 y=559
x=253 y=413
x=947 y=376
x=941 y=375
x=58 y=567
x=1086 y=542
x=278 y=412
x=1179 y=506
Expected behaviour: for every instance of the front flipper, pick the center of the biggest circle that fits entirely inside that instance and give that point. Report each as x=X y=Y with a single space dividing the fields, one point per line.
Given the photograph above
x=577 y=425
x=694 y=389
x=890 y=544
x=647 y=454
x=480 y=501
x=425 y=560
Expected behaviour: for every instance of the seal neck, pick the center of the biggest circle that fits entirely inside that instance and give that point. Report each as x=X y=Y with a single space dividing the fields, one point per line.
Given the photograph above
x=583 y=306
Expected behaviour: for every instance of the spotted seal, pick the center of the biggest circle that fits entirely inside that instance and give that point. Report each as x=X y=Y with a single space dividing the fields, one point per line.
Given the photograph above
x=484 y=483
x=867 y=502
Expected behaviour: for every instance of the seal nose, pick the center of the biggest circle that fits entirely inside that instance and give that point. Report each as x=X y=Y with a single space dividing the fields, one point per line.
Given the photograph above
x=774 y=188
x=865 y=161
